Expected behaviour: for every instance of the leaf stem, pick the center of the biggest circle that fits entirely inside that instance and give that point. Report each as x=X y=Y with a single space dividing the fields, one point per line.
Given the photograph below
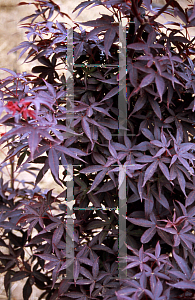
x=136 y=13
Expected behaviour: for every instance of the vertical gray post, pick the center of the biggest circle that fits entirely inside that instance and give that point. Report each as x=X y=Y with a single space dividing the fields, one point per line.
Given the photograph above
x=69 y=79
x=70 y=183
x=70 y=222
x=122 y=107
x=122 y=221
x=122 y=102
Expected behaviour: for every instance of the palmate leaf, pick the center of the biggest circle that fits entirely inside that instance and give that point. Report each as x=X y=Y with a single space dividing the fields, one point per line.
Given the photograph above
x=156 y=157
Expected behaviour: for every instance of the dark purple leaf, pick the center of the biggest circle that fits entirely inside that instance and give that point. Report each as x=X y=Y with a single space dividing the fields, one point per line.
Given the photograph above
x=184 y=285
x=148 y=79
x=140 y=222
x=54 y=162
x=78 y=50
x=191 y=198
x=150 y=171
x=182 y=181
x=86 y=128
x=148 y=234
x=105 y=132
x=164 y=169
x=147 y=133
x=27 y=289
x=110 y=94
x=108 y=39
x=76 y=269
x=91 y=169
x=51 y=88
x=57 y=234
x=156 y=108
x=139 y=104
x=160 y=84
x=64 y=286
x=95 y=269
x=33 y=141
x=99 y=177
x=138 y=46
x=94 y=199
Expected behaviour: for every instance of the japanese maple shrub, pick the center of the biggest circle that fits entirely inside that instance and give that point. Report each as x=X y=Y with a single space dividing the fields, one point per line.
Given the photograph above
x=155 y=155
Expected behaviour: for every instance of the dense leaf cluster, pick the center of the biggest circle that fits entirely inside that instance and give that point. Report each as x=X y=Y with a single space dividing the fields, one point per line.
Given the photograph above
x=155 y=155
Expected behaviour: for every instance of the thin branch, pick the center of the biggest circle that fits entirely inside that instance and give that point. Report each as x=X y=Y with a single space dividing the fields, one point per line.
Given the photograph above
x=151 y=19
x=136 y=13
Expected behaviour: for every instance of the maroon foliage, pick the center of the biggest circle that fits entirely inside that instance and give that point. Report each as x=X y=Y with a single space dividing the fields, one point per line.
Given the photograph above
x=155 y=155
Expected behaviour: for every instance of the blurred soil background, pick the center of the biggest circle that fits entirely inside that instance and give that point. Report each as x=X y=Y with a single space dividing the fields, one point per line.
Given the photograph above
x=10 y=36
